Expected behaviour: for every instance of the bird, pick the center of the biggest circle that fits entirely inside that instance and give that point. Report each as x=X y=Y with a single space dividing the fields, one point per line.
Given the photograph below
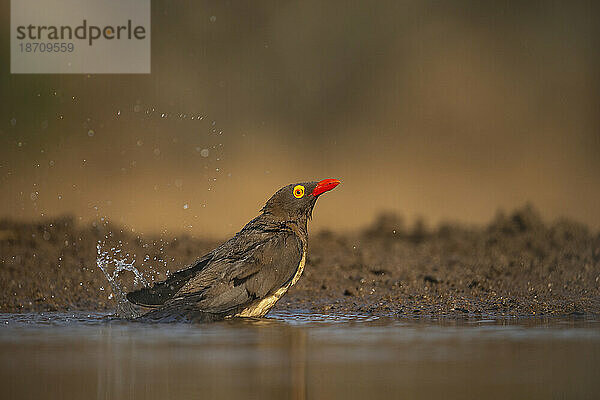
x=246 y=275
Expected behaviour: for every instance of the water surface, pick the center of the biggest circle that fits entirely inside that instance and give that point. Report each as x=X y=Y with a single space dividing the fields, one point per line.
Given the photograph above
x=297 y=355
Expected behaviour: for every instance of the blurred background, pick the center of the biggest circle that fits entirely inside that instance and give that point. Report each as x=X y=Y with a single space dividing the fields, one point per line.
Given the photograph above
x=446 y=110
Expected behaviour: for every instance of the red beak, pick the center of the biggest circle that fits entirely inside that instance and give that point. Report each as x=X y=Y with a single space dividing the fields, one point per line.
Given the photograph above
x=324 y=186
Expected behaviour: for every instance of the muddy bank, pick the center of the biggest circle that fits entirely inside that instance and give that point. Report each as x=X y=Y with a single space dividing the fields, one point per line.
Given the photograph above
x=516 y=265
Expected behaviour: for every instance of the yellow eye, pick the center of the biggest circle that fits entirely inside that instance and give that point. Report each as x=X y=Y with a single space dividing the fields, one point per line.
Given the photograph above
x=298 y=191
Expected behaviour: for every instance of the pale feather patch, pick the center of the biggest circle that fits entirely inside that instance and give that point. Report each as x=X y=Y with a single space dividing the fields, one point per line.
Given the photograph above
x=262 y=307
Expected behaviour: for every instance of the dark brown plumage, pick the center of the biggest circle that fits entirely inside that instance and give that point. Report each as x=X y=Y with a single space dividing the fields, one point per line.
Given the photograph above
x=247 y=274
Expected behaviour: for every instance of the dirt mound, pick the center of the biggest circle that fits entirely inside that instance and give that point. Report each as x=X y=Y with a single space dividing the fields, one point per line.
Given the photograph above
x=517 y=265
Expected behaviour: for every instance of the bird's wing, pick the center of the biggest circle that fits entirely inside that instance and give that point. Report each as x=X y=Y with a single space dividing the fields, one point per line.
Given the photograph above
x=246 y=268
x=160 y=292
x=233 y=282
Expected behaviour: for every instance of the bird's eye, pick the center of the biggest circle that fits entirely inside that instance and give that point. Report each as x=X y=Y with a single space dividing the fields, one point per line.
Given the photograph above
x=298 y=191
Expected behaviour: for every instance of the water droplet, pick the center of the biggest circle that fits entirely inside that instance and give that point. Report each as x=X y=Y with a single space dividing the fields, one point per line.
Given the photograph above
x=186 y=206
x=139 y=143
x=156 y=152
x=91 y=132
x=204 y=153
x=213 y=18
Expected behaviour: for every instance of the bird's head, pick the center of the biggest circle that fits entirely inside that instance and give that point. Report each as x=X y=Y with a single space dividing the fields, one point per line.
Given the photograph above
x=295 y=202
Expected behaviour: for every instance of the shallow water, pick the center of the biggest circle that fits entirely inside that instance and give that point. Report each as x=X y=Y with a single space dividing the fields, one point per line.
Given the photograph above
x=297 y=355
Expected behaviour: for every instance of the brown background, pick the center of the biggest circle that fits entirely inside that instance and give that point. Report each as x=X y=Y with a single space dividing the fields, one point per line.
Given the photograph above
x=445 y=110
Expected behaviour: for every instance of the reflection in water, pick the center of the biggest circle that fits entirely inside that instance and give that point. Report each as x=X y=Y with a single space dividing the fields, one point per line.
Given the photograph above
x=298 y=364
x=292 y=356
x=293 y=349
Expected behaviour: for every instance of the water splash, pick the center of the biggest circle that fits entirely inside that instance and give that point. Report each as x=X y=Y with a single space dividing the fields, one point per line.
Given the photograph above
x=125 y=309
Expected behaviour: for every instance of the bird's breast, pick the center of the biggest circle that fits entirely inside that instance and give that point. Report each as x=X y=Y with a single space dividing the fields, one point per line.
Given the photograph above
x=261 y=307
